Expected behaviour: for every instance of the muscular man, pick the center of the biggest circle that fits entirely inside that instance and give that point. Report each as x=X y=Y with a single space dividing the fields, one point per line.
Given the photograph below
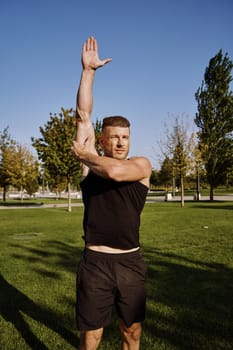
x=111 y=271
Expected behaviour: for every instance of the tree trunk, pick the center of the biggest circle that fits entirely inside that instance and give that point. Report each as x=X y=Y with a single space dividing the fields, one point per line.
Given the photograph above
x=173 y=186
x=69 y=198
x=182 y=191
x=211 y=192
x=4 y=193
x=21 y=194
x=198 y=186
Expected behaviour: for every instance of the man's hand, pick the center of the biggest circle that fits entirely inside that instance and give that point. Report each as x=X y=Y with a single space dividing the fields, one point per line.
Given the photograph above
x=90 y=57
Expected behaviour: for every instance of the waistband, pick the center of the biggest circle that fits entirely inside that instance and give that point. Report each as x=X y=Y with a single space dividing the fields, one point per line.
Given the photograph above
x=111 y=256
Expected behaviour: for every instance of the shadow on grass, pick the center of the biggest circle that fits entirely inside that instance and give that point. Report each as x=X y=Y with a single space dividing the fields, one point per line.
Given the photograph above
x=189 y=302
x=226 y=206
x=13 y=302
x=21 y=204
x=56 y=257
x=49 y=259
x=56 y=253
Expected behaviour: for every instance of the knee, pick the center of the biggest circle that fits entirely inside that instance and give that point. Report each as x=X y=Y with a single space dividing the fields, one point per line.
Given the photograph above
x=90 y=339
x=131 y=334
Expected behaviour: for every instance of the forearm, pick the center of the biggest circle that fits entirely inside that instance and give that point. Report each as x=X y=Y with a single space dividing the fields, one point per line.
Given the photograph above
x=134 y=169
x=84 y=129
x=102 y=166
x=84 y=95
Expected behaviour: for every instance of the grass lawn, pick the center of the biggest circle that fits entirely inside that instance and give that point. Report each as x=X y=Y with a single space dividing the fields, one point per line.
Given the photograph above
x=37 y=202
x=189 y=252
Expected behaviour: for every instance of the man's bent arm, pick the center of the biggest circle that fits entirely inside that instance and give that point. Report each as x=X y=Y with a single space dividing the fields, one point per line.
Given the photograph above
x=133 y=169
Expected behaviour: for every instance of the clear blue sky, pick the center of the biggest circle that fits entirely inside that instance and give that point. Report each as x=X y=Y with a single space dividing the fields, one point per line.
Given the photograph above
x=160 y=49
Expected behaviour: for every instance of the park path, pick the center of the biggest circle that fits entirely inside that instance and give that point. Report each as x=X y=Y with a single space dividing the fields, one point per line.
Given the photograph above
x=150 y=199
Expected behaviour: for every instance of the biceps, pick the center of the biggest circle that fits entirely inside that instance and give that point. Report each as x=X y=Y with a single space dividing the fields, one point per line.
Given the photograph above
x=130 y=172
x=139 y=170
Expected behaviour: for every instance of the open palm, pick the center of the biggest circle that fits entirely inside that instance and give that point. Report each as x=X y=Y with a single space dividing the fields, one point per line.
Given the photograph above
x=90 y=56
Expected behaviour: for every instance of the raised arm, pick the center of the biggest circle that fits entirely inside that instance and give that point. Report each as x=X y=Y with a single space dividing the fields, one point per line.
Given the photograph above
x=90 y=62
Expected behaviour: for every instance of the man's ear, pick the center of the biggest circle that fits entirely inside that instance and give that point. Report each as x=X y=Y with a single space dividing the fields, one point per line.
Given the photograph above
x=101 y=140
x=99 y=146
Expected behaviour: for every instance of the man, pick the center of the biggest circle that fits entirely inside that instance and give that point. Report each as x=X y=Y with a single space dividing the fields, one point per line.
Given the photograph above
x=112 y=271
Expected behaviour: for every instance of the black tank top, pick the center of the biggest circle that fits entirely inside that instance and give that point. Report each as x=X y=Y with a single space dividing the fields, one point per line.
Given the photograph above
x=112 y=211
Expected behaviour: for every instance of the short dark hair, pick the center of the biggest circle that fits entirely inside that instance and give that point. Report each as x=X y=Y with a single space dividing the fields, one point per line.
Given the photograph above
x=116 y=120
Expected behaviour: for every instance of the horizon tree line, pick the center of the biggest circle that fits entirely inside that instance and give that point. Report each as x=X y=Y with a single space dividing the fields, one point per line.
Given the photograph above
x=205 y=156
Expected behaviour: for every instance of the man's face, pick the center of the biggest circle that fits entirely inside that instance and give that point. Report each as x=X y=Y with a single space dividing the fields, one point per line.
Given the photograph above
x=115 y=141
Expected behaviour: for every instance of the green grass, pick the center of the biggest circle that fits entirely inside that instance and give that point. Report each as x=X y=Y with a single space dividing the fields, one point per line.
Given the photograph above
x=36 y=201
x=219 y=191
x=189 y=252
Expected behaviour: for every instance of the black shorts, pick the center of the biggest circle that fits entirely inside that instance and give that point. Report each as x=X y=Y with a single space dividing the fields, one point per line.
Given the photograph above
x=107 y=280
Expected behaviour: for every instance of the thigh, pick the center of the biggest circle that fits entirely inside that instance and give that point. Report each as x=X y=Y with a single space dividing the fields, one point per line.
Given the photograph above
x=95 y=297
x=131 y=296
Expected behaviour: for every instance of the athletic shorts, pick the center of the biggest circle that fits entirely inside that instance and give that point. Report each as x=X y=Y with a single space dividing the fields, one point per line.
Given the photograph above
x=105 y=281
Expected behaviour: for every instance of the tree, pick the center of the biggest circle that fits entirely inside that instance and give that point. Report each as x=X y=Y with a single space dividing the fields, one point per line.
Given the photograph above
x=21 y=169
x=7 y=146
x=166 y=173
x=54 y=149
x=215 y=120
x=229 y=178
x=18 y=166
x=178 y=147
x=25 y=171
x=197 y=169
x=98 y=129
x=154 y=179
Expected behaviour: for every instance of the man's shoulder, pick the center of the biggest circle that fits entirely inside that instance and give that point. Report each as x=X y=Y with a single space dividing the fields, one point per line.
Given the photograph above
x=141 y=160
x=144 y=164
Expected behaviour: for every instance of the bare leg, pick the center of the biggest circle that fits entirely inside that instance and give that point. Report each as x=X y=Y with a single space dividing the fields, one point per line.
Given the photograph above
x=89 y=340
x=130 y=336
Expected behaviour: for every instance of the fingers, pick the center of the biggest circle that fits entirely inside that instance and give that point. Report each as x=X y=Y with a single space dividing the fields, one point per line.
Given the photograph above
x=107 y=60
x=94 y=44
x=90 y=54
x=90 y=44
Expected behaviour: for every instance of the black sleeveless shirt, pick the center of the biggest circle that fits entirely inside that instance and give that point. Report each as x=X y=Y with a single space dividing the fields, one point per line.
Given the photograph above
x=112 y=211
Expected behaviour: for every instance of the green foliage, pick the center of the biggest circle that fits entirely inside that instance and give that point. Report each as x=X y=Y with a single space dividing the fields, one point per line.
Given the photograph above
x=18 y=167
x=166 y=172
x=178 y=149
x=6 y=146
x=154 y=179
x=54 y=148
x=181 y=145
x=215 y=119
x=98 y=129
x=23 y=169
